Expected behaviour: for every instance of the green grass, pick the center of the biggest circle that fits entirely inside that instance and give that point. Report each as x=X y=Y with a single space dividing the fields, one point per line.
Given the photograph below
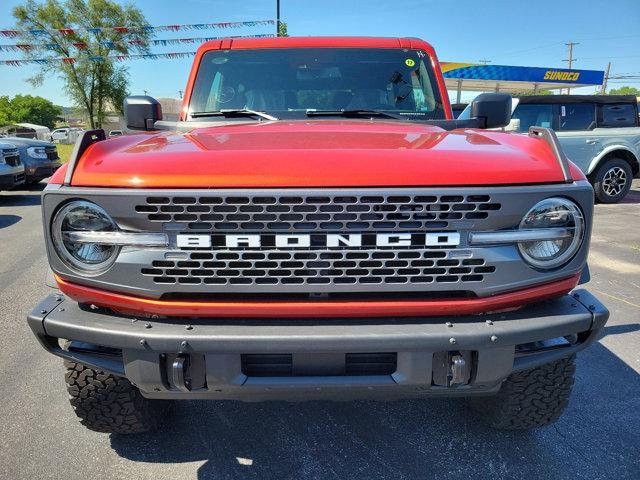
x=64 y=151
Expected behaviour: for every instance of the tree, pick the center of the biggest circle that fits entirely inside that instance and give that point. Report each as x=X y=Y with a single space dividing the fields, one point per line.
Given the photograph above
x=625 y=91
x=282 y=29
x=25 y=108
x=92 y=80
x=5 y=111
x=531 y=92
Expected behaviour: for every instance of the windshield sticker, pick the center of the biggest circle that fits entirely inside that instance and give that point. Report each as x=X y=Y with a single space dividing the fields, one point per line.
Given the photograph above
x=410 y=62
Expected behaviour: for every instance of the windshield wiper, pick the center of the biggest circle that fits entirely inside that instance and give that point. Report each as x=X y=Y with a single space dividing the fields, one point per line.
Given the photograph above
x=353 y=113
x=230 y=112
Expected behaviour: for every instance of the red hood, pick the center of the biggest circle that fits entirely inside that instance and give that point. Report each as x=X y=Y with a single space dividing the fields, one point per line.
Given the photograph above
x=317 y=154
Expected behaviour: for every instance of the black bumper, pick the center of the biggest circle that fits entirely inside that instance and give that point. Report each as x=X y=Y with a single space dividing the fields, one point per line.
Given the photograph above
x=7 y=182
x=212 y=352
x=42 y=171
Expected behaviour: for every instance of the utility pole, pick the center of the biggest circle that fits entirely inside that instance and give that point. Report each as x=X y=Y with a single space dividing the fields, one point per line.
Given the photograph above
x=570 y=59
x=484 y=61
x=606 y=78
x=277 y=18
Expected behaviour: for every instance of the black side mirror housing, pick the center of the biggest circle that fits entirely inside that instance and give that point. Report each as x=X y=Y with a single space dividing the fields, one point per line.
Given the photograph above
x=141 y=112
x=493 y=109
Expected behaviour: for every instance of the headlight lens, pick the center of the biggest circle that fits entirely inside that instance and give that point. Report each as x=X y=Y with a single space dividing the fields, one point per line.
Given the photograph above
x=37 y=152
x=86 y=258
x=553 y=213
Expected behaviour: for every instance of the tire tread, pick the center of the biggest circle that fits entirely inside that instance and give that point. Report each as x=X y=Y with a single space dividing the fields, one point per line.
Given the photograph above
x=107 y=403
x=530 y=398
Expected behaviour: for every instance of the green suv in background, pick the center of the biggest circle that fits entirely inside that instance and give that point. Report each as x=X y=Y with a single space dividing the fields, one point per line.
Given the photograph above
x=599 y=133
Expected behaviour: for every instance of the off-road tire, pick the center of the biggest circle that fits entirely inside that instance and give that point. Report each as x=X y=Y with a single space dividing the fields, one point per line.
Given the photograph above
x=110 y=404
x=530 y=398
x=599 y=186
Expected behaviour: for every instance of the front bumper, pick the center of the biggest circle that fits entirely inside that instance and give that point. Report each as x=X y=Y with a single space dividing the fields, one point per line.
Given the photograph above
x=8 y=182
x=40 y=170
x=148 y=352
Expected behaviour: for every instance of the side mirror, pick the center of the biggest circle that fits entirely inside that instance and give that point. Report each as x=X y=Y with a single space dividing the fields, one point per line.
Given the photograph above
x=493 y=109
x=141 y=112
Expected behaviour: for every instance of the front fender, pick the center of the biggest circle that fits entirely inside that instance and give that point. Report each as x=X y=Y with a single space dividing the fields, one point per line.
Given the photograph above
x=607 y=150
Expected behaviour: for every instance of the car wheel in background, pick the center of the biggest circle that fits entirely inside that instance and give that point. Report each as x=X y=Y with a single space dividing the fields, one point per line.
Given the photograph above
x=612 y=180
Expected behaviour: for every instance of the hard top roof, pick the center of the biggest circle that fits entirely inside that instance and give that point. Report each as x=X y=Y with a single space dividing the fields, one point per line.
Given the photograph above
x=564 y=99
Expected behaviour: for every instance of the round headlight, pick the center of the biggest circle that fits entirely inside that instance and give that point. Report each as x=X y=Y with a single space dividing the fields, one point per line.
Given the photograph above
x=557 y=213
x=83 y=216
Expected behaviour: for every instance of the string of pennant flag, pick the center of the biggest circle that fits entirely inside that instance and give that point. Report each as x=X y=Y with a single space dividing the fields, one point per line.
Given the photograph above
x=98 y=58
x=147 y=28
x=27 y=47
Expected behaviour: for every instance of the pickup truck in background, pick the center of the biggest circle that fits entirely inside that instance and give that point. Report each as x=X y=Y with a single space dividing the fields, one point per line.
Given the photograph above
x=11 y=168
x=40 y=159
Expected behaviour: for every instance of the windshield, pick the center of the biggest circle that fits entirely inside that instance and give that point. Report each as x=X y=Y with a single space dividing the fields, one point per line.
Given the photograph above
x=289 y=82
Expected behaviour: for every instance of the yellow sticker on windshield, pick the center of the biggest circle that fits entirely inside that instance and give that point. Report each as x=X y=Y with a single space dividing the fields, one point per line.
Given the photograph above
x=409 y=62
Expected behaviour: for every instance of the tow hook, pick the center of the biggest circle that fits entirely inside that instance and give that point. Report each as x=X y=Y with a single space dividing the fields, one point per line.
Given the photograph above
x=180 y=373
x=458 y=371
x=452 y=368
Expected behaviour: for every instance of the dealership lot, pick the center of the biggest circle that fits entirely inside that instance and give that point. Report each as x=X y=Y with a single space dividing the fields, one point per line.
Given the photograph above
x=597 y=438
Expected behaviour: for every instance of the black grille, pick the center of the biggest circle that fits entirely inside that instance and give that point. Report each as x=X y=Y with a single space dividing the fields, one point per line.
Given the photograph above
x=267 y=365
x=370 y=363
x=313 y=213
x=350 y=364
x=52 y=153
x=12 y=160
x=362 y=267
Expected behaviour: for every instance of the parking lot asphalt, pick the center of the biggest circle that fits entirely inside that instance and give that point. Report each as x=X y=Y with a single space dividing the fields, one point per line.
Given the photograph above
x=597 y=438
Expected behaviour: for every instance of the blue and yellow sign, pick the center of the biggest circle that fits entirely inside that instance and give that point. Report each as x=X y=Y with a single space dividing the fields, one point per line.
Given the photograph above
x=507 y=73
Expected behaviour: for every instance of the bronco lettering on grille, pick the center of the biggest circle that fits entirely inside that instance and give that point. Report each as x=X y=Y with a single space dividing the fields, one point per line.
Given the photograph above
x=431 y=239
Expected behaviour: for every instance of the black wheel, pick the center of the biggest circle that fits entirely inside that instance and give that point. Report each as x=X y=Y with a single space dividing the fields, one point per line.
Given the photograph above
x=529 y=399
x=110 y=404
x=612 y=180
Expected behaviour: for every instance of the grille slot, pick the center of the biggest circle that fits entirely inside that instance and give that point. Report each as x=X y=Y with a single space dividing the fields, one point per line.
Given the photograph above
x=267 y=365
x=52 y=153
x=314 y=213
x=351 y=364
x=12 y=160
x=370 y=363
x=364 y=267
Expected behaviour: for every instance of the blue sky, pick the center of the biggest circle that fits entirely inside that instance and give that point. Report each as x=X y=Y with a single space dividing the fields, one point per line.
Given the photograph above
x=505 y=32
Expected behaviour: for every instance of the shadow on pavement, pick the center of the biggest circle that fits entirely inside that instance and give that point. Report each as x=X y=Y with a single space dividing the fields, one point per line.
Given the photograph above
x=632 y=197
x=8 y=220
x=436 y=438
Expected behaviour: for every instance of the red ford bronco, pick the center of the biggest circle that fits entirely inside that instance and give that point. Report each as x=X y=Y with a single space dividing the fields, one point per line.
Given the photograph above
x=317 y=226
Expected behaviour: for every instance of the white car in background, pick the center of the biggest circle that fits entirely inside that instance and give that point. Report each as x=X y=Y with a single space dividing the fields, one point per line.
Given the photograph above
x=65 y=135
